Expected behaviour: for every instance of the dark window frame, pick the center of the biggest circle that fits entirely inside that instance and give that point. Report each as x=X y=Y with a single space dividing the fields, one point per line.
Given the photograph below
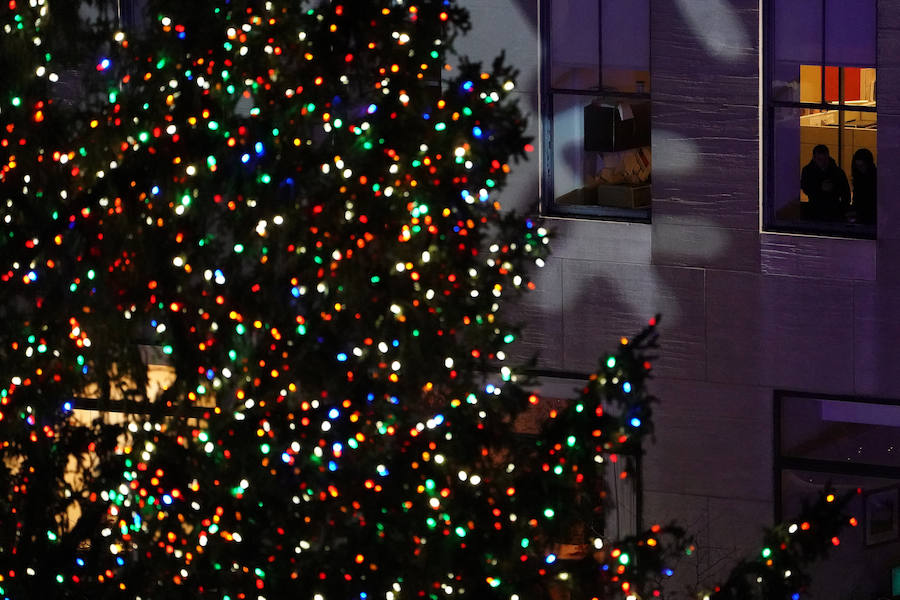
x=548 y=205
x=769 y=221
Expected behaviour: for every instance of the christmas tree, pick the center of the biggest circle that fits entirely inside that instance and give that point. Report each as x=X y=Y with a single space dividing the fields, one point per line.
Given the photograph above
x=292 y=204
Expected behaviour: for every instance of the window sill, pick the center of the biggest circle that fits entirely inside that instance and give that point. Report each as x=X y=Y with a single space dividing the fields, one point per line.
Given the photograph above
x=827 y=230
x=597 y=213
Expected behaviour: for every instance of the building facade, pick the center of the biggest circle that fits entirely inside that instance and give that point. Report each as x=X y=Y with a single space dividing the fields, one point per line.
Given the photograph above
x=777 y=370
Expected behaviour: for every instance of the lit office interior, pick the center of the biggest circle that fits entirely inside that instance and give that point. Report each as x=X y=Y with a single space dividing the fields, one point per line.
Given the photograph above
x=820 y=89
x=845 y=121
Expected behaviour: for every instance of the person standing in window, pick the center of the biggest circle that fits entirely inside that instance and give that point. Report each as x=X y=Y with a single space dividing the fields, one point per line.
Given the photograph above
x=826 y=185
x=865 y=187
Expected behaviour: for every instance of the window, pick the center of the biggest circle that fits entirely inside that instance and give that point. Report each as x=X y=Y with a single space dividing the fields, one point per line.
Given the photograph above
x=622 y=515
x=849 y=444
x=821 y=117
x=595 y=107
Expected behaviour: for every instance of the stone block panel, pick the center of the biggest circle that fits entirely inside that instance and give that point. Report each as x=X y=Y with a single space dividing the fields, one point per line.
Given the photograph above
x=782 y=332
x=605 y=301
x=876 y=331
x=705 y=246
x=540 y=311
x=705 y=164
x=722 y=36
x=711 y=439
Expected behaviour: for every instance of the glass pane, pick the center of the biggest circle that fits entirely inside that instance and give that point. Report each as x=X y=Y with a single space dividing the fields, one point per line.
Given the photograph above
x=860 y=567
x=832 y=85
x=796 y=42
x=786 y=81
x=859 y=86
x=794 y=82
x=826 y=196
x=786 y=164
x=626 y=80
x=568 y=144
x=825 y=188
x=601 y=152
x=574 y=44
x=798 y=31
x=810 y=83
x=867 y=85
x=859 y=152
x=843 y=431
x=860 y=155
x=625 y=35
x=850 y=32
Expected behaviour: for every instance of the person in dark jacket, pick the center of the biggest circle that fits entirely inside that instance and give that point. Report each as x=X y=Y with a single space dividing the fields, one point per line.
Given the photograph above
x=865 y=187
x=826 y=185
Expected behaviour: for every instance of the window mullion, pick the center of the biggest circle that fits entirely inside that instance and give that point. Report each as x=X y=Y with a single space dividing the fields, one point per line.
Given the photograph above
x=600 y=45
x=841 y=117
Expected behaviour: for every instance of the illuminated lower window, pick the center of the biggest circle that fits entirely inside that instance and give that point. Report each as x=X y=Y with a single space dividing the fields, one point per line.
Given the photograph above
x=852 y=445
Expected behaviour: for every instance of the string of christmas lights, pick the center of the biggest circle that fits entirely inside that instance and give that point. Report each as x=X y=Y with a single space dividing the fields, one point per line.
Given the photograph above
x=293 y=207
